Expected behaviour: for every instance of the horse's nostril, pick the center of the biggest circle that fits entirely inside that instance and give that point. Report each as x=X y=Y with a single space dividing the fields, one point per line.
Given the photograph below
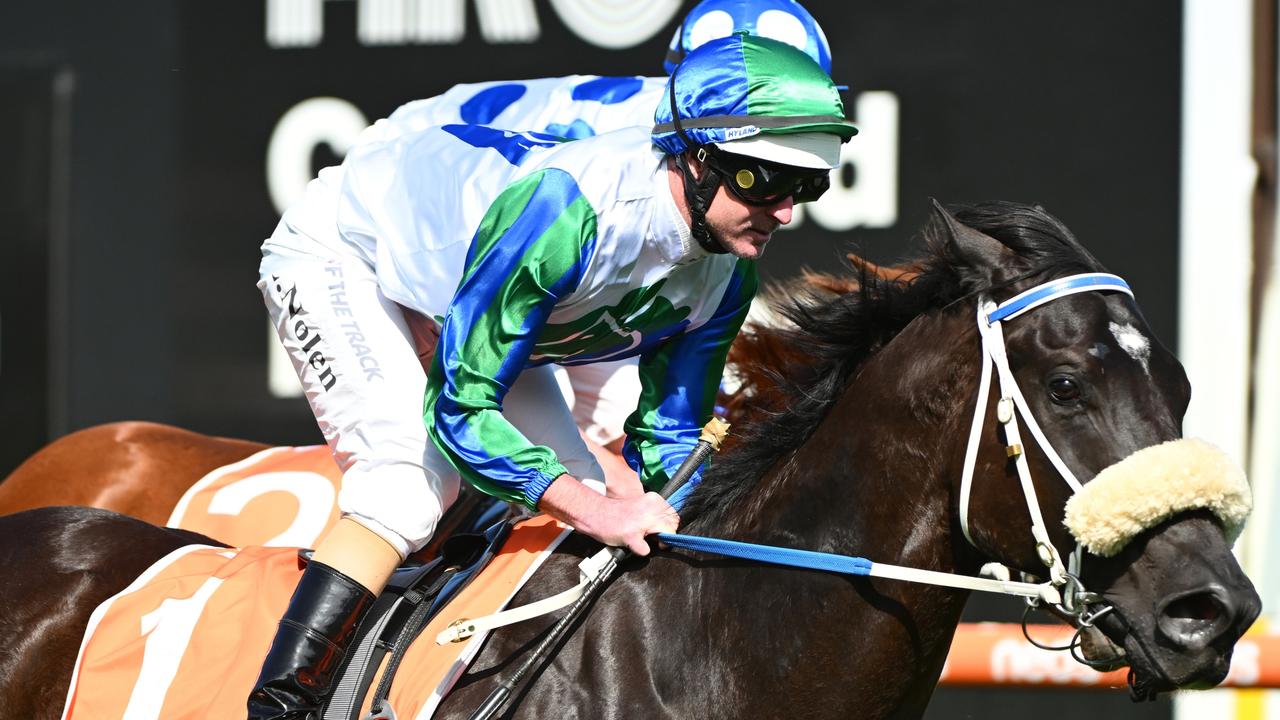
x=1197 y=607
x=1194 y=620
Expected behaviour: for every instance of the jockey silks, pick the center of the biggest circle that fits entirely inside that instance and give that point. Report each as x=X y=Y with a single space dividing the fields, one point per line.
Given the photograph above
x=535 y=251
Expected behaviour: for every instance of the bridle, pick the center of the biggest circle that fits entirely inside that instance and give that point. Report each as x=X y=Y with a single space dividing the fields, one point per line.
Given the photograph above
x=1012 y=403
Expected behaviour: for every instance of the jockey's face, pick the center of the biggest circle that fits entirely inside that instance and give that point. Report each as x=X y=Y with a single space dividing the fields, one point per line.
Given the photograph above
x=744 y=229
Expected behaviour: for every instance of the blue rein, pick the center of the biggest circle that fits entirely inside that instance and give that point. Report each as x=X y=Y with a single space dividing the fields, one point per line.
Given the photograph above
x=850 y=565
x=809 y=559
x=827 y=562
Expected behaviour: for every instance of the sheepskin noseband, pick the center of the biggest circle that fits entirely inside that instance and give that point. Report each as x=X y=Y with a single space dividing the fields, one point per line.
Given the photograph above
x=1153 y=484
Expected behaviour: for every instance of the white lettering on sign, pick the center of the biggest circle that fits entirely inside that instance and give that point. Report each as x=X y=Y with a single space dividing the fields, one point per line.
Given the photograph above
x=294 y=23
x=864 y=189
x=616 y=24
x=443 y=22
x=606 y=23
x=1015 y=661
x=303 y=128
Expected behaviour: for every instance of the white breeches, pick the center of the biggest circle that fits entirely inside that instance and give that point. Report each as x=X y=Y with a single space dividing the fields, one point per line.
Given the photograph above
x=602 y=396
x=354 y=352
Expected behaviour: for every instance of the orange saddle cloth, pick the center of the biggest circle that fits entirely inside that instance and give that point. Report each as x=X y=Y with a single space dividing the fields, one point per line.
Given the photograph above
x=187 y=638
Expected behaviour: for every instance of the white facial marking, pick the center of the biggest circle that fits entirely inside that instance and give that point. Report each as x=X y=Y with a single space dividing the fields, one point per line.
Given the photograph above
x=1134 y=343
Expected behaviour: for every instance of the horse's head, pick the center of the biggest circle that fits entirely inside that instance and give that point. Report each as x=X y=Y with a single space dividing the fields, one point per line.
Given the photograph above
x=1155 y=514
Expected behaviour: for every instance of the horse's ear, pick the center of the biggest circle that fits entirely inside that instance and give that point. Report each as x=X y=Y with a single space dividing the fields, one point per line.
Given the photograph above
x=983 y=258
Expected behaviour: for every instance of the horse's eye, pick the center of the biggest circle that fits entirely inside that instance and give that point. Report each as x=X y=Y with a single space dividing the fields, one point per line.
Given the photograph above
x=1063 y=389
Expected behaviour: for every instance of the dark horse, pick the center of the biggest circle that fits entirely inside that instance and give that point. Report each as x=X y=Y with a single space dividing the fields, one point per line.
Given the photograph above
x=865 y=459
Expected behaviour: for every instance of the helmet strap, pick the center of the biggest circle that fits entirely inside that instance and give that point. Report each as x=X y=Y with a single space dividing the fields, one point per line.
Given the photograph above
x=698 y=194
x=698 y=191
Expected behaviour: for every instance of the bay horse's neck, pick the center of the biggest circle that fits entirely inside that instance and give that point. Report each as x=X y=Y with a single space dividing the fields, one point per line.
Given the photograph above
x=875 y=480
x=876 y=475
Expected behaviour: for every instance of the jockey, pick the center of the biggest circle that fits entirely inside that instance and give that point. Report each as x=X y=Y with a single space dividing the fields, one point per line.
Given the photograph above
x=532 y=251
x=600 y=395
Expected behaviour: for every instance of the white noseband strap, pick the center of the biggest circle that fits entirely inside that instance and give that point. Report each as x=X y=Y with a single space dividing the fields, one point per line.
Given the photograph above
x=1154 y=484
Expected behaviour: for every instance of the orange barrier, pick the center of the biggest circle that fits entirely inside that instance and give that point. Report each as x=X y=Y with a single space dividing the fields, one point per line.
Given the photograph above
x=986 y=654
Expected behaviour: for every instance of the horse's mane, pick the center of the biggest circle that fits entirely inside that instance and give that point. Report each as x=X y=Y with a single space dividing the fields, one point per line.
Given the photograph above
x=792 y=373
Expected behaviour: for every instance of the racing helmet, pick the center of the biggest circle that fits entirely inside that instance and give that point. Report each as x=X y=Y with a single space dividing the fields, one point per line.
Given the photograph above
x=760 y=116
x=783 y=20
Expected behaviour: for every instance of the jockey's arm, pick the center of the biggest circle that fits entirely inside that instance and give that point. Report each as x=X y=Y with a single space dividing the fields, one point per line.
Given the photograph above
x=516 y=271
x=679 y=381
x=485 y=343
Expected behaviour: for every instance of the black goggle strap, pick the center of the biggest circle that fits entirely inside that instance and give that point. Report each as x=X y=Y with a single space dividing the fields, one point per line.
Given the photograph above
x=698 y=192
x=675 y=55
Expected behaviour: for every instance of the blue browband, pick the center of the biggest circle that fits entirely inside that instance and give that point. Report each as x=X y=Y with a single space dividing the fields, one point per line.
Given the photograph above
x=1042 y=294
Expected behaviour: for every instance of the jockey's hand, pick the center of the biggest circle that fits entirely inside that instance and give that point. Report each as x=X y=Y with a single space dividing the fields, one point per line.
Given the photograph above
x=620 y=522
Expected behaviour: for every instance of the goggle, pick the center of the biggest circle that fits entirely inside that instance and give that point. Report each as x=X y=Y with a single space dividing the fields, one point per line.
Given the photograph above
x=760 y=182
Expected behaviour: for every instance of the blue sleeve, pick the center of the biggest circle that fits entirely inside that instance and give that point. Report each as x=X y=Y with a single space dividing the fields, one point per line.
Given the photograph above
x=679 y=381
x=531 y=250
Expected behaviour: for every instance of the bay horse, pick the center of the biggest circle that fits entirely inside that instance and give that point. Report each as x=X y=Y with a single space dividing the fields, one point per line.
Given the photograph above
x=867 y=460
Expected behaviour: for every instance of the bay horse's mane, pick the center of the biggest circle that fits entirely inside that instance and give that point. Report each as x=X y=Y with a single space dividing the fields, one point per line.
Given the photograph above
x=792 y=373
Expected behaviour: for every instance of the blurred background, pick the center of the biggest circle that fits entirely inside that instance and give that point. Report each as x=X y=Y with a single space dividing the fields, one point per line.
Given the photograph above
x=148 y=148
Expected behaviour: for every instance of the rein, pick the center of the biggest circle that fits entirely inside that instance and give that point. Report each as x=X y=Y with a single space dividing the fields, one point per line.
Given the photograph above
x=1063 y=590
x=595 y=572
x=849 y=565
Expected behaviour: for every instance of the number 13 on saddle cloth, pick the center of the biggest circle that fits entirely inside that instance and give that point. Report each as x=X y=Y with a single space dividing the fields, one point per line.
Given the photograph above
x=180 y=641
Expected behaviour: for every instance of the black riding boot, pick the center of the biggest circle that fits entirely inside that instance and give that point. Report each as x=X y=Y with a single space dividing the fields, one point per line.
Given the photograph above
x=311 y=642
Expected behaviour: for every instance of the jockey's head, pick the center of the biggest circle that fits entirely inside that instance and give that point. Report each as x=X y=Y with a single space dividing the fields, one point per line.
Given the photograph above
x=782 y=20
x=755 y=115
